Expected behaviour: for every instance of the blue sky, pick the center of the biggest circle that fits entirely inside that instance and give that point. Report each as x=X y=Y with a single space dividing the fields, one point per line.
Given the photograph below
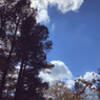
x=76 y=37
x=74 y=27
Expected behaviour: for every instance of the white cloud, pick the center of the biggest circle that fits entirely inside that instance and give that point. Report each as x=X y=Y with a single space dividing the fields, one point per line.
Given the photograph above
x=59 y=72
x=89 y=76
x=69 y=83
x=62 y=5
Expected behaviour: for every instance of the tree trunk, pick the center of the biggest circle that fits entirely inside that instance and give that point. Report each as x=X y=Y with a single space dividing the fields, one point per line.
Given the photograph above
x=2 y=83
x=19 y=82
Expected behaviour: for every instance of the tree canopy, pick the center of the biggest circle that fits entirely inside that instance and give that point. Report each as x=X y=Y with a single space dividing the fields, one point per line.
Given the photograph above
x=23 y=43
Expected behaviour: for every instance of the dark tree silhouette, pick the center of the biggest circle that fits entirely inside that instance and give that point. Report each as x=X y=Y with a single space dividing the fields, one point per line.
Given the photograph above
x=8 y=24
x=24 y=41
x=32 y=47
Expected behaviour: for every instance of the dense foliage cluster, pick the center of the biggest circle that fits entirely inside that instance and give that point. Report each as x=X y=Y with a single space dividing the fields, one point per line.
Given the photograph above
x=23 y=43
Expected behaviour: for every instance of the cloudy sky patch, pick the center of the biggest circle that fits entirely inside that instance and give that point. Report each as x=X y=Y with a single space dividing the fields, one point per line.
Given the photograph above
x=63 y=6
x=59 y=72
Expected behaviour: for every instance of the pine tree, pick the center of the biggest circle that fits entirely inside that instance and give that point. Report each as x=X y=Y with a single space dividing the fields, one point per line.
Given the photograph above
x=24 y=41
x=33 y=45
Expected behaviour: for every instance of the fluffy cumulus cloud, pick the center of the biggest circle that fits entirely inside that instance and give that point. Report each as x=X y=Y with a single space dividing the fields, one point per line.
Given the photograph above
x=59 y=72
x=62 y=5
x=89 y=76
x=69 y=83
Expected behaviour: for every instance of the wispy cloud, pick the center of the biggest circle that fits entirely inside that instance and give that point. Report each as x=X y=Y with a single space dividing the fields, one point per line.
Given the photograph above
x=53 y=26
x=63 y=6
